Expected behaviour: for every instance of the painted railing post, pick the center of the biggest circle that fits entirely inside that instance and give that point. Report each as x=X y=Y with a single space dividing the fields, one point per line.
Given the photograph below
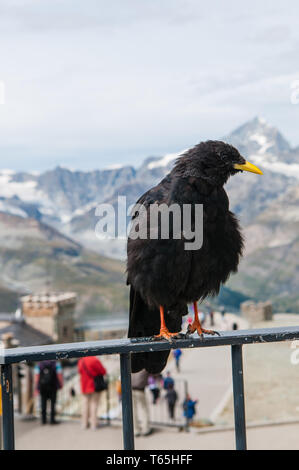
x=7 y=408
x=127 y=401
x=239 y=400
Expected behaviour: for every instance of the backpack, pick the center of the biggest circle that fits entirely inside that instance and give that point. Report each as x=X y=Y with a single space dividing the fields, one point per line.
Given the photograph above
x=100 y=383
x=47 y=378
x=168 y=382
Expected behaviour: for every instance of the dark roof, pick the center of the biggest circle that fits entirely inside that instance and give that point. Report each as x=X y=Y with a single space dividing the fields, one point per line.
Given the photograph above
x=26 y=334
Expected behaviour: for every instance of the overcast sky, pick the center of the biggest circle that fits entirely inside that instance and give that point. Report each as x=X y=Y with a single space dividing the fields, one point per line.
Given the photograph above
x=91 y=83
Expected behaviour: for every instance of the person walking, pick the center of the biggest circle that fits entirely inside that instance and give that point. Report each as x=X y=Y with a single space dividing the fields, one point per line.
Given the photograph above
x=168 y=381
x=171 y=398
x=177 y=354
x=92 y=382
x=154 y=387
x=48 y=380
x=189 y=409
x=140 y=405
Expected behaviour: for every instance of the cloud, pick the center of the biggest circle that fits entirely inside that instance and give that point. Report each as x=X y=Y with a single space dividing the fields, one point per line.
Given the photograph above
x=116 y=81
x=72 y=14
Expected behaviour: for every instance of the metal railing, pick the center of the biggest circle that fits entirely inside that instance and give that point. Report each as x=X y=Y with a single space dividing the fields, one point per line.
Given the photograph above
x=124 y=348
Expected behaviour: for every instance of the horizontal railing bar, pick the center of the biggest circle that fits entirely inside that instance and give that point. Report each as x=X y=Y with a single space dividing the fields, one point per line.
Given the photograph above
x=121 y=346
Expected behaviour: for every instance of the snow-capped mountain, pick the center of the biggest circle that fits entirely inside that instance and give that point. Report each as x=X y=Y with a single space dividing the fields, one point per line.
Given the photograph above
x=256 y=140
x=266 y=146
x=67 y=199
x=60 y=194
x=258 y=137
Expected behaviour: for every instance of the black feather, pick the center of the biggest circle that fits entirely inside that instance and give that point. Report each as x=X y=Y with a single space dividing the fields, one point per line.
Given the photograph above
x=162 y=272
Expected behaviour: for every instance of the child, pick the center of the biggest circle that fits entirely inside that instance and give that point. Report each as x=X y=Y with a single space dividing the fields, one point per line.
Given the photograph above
x=189 y=409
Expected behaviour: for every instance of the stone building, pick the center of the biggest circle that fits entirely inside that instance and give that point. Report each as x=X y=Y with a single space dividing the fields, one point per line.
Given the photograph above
x=14 y=332
x=257 y=312
x=51 y=313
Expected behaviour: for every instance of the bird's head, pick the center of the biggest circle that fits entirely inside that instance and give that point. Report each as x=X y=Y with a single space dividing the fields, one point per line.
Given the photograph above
x=215 y=161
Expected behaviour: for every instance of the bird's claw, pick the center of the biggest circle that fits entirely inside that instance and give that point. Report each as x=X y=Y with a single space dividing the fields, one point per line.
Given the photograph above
x=166 y=334
x=211 y=332
x=192 y=328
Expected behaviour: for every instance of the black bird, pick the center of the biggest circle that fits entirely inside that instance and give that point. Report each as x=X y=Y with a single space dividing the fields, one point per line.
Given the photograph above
x=163 y=275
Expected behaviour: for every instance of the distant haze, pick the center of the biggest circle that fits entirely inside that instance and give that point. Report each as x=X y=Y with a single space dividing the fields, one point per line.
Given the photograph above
x=93 y=84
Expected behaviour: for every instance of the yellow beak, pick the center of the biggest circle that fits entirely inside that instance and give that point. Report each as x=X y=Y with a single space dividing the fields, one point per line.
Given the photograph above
x=248 y=167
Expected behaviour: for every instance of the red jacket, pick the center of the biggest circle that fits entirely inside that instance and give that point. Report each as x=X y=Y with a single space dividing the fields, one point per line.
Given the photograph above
x=94 y=367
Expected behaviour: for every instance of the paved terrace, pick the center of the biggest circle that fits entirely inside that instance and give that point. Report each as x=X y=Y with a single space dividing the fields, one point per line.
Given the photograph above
x=70 y=436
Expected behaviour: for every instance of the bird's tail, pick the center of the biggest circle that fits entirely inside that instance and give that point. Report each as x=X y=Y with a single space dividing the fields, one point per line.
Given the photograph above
x=145 y=322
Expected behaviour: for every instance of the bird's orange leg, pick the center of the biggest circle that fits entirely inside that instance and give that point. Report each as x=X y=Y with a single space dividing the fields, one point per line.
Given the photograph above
x=164 y=332
x=196 y=326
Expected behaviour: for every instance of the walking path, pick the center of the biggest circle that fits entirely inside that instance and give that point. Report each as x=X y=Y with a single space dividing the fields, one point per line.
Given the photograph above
x=208 y=372
x=69 y=436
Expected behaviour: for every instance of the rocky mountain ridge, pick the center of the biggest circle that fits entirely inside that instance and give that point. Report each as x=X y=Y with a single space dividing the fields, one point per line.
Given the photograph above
x=64 y=201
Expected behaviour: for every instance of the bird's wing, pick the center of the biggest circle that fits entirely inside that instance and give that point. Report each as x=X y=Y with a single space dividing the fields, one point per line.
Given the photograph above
x=158 y=268
x=147 y=261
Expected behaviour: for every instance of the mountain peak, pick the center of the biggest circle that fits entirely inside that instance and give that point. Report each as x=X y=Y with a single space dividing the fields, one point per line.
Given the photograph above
x=259 y=120
x=257 y=137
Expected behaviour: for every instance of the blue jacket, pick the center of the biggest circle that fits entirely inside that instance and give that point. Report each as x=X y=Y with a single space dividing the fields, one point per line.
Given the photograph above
x=177 y=353
x=189 y=408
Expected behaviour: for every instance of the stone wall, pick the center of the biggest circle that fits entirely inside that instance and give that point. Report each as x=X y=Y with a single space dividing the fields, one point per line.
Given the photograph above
x=52 y=314
x=257 y=312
